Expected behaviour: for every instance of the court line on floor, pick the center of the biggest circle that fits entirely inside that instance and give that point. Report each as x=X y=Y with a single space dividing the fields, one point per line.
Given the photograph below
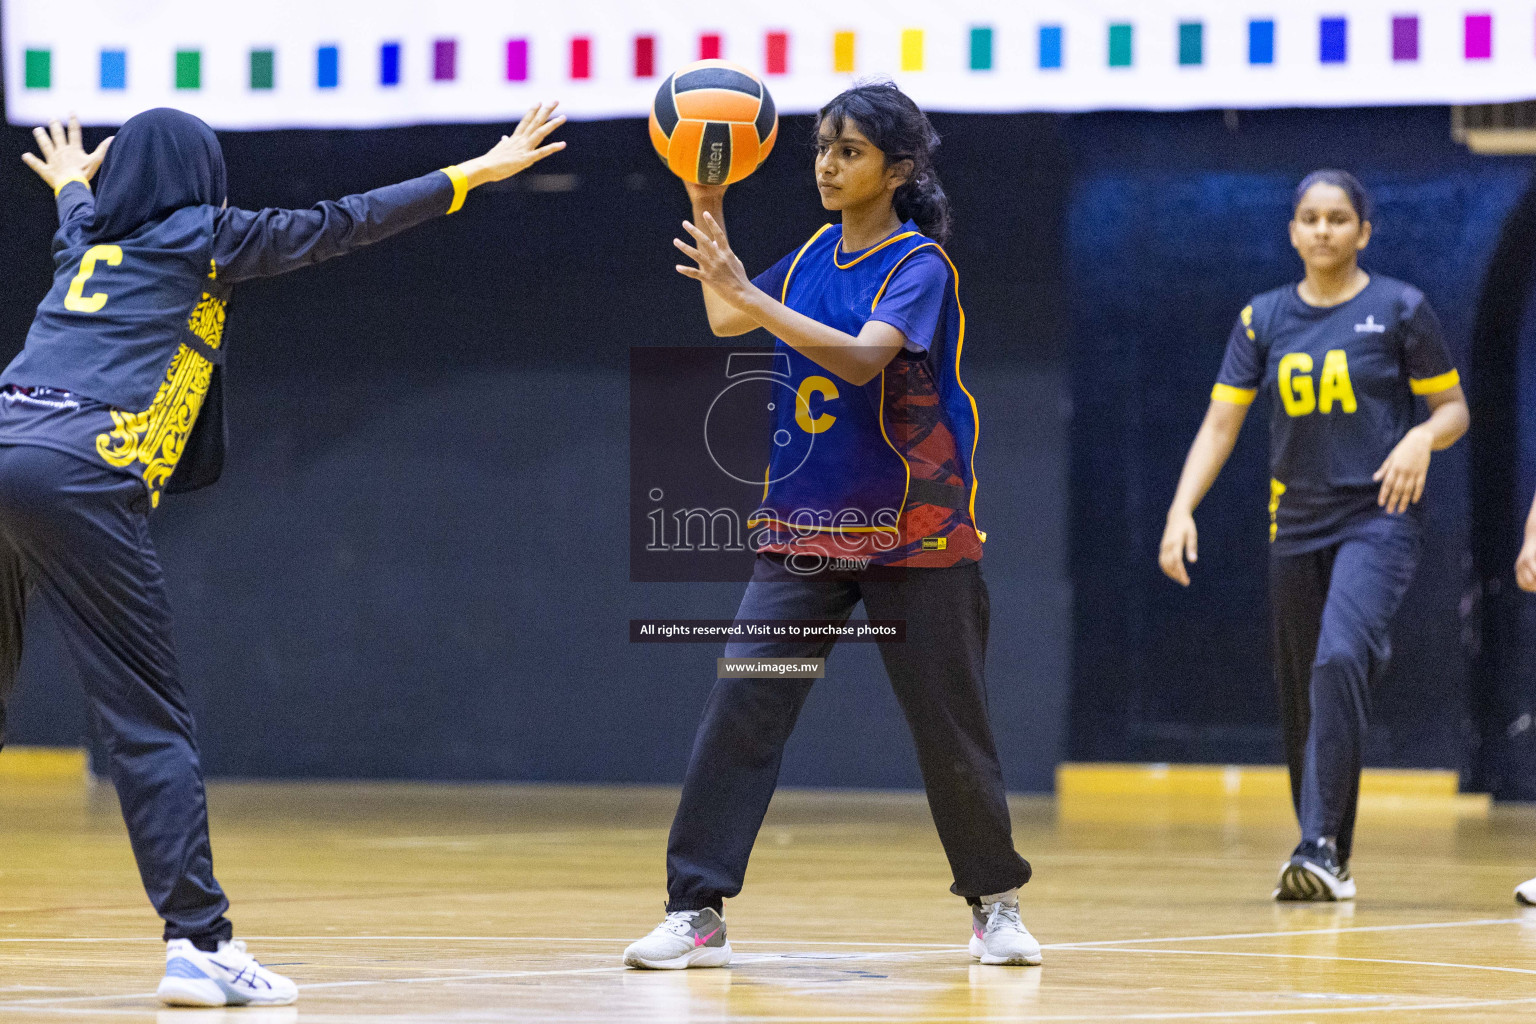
x=11 y=1004
x=1466 y=1004
x=969 y=1017
x=470 y=938
x=497 y=975
x=1331 y=959
x=1298 y=931
x=1418 y=926
x=928 y=950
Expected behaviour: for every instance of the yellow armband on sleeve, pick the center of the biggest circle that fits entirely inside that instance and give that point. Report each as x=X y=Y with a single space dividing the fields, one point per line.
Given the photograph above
x=74 y=177
x=460 y=187
x=1434 y=385
x=1232 y=395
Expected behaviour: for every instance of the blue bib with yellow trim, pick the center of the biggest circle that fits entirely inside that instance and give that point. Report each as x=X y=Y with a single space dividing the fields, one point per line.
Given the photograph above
x=835 y=464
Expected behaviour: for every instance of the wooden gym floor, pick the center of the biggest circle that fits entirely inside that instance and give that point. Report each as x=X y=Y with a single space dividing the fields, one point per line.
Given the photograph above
x=470 y=904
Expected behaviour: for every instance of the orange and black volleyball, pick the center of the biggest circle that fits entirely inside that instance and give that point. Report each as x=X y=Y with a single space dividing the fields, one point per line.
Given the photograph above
x=713 y=122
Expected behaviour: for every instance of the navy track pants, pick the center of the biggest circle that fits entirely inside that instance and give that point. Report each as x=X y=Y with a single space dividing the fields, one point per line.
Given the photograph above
x=76 y=536
x=1333 y=611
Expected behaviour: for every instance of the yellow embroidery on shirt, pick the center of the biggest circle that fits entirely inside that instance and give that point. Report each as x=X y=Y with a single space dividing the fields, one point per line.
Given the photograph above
x=1276 y=489
x=207 y=320
x=157 y=436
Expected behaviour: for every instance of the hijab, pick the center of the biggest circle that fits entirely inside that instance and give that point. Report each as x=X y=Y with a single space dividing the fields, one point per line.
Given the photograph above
x=160 y=161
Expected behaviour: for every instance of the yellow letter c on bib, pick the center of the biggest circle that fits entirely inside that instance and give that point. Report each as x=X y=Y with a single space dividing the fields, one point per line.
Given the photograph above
x=75 y=301
x=814 y=386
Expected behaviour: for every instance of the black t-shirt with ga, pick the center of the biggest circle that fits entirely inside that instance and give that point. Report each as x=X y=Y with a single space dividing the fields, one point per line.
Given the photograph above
x=1342 y=382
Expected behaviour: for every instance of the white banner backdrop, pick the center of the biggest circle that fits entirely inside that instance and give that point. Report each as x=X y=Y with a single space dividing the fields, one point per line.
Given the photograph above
x=363 y=63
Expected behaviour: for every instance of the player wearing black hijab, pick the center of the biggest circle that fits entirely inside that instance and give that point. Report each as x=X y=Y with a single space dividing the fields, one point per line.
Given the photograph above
x=115 y=400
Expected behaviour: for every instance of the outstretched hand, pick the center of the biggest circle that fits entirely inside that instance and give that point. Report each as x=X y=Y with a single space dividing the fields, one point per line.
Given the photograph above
x=64 y=157
x=718 y=266
x=518 y=151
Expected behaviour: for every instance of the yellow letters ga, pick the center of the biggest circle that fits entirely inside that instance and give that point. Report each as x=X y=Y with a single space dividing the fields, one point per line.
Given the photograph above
x=1296 y=392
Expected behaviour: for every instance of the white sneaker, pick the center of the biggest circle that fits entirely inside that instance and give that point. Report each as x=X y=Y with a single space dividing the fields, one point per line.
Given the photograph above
x=230 y=977
x=1314 y=873
x=1525 y=893
x=998 y=936
x=687 y=938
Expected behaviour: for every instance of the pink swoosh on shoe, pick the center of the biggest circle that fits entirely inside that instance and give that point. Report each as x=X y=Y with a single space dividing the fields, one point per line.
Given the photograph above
x=699 y=940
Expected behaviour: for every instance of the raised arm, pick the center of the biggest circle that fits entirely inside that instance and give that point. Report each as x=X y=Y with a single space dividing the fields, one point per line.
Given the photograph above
x=64 y=158
x=264 y=243
x=1213 y=446
x=725 y=320
x=857 y=359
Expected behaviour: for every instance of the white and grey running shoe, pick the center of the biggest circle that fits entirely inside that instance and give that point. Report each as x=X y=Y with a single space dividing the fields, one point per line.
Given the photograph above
x=1525 y=893
x=1314 y=874
x=998 y=935
x=230 y=977
x=687 y=938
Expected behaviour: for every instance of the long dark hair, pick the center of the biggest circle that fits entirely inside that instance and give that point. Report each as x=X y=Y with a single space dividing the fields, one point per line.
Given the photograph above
x=889 y=119
x=1359 y=198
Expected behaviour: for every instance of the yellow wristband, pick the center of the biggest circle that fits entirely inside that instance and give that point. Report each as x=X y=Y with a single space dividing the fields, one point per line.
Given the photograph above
x=73 y=177
x=460 y=187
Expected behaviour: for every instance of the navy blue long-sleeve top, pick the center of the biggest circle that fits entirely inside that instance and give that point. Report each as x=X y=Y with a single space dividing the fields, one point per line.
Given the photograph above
x=126 y=349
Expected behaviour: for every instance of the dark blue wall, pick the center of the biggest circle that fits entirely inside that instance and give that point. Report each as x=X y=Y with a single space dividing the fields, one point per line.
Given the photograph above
x=1174 y=221
x=1503 y=474
x=416 y=565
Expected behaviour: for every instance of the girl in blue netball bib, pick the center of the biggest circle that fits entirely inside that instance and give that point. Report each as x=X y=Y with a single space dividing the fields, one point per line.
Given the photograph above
x=881 y=508
x=115 y=400
x=1343 y=357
